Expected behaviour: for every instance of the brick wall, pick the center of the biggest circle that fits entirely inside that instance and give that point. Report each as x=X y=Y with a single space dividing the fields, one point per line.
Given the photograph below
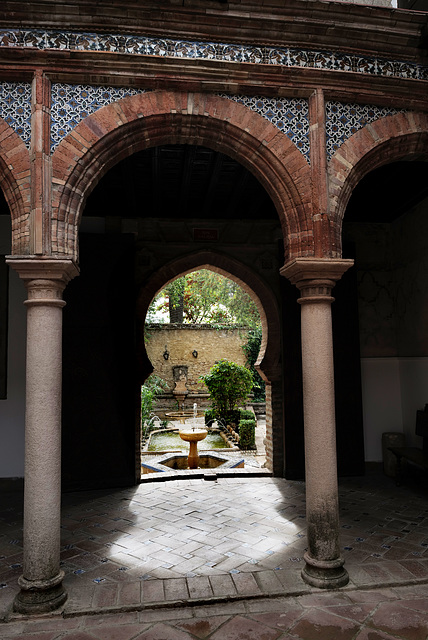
x=181 y=340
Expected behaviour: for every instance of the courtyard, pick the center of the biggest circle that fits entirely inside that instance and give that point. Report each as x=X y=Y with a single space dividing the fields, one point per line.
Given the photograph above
x=181 y=559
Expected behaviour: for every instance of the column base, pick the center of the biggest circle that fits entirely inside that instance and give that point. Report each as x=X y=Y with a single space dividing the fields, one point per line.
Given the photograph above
x=40 y=596
x=324 y=574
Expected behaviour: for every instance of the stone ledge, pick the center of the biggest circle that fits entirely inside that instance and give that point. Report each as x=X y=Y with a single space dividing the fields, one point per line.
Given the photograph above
x=201 y=473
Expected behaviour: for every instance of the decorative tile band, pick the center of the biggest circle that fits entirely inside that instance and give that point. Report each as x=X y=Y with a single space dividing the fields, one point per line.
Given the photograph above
x=142 y=45
x=15 y=108
x=343 y=120
x=289 y=115
x=71 y=103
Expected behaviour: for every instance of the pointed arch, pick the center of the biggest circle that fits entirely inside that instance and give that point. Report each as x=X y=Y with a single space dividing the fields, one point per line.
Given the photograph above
x=268 y=361
x=15 y=184
x=165 y=117
x=398 y=137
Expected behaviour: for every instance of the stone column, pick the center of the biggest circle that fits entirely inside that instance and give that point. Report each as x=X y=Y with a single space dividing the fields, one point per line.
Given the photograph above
x=315 y=278
x=41 y=582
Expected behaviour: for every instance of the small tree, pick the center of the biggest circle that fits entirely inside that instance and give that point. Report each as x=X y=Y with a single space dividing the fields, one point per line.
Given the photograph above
x=229 y=385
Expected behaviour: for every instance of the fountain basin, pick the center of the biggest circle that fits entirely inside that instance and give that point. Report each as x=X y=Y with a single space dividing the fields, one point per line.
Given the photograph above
x=179 y=462
x=162 y=441
x=182 y=416
x=193 y=435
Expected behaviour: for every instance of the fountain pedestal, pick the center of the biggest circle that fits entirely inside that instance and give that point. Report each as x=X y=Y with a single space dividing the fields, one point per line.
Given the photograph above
x=193 y=436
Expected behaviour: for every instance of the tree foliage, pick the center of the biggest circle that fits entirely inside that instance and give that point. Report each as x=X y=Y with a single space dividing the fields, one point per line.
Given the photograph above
x=206 y=297
x=175 y=292
x=229 y=385
x=251 y=350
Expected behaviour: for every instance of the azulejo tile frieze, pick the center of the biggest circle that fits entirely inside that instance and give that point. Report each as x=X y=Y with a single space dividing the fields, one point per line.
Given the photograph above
x=289 y=115
x=15 y=108
x=71 y=103
x=343 y=120
x=164 y=47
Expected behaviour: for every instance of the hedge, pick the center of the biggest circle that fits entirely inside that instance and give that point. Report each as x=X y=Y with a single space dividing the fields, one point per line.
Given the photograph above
x=247 y=434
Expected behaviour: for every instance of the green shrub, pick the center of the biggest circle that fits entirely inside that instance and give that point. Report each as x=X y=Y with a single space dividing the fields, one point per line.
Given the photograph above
x=246 y=414
x=209 y=415
x=247 y=434
x=229 y=385
x=232 y=418
x=153 y=386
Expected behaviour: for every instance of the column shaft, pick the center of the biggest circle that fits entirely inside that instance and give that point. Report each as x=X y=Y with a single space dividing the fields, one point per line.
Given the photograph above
x=43 y=439
x=316 y=278
x=320 y=437
x=41 y=582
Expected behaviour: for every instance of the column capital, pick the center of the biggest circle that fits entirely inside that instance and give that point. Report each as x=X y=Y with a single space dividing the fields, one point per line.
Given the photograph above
x=58 y=270
x=315 y=277
x=44 y=279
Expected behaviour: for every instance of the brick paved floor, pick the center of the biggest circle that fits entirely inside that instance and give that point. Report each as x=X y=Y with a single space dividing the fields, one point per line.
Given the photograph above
x=398 y=613
x=216 y=543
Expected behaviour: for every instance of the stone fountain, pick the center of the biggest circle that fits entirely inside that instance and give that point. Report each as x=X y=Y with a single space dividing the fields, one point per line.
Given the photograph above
x=193 y=436
x=180 y=391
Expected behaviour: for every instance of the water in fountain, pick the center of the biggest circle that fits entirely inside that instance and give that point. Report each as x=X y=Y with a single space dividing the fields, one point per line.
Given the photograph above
x=149 y=424
x=195 y=414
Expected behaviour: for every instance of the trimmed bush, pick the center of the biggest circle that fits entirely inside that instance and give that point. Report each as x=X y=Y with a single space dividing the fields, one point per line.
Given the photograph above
x=247 y=434
x=232 y=418
x=246 y=414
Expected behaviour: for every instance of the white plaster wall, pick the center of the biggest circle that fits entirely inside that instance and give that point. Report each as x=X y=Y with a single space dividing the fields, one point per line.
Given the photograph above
x=12 y=409
x=382 y=402
x=393 y=390
x=414 y=394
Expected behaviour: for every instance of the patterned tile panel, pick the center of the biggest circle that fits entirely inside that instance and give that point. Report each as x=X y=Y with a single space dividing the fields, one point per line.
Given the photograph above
x=141 y=45
x=343 y=120
x=289 y=115
x=71 y=103
x=15 y=108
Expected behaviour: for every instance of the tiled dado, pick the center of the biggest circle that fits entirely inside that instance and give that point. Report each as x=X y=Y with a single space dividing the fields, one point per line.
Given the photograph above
x=225 y=52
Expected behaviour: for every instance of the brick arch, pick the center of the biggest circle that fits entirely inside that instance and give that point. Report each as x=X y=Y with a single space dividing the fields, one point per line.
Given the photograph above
x=15 y=184
x=151 y=119
x=392 y=138
x=268 y=360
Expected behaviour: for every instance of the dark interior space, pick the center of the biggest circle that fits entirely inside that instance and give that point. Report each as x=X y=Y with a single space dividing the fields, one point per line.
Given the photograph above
x=386 y=193
x=180 y=181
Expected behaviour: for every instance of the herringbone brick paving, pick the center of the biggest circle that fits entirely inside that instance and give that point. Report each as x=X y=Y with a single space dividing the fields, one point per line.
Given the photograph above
x=219 y=543
x=190 y=539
